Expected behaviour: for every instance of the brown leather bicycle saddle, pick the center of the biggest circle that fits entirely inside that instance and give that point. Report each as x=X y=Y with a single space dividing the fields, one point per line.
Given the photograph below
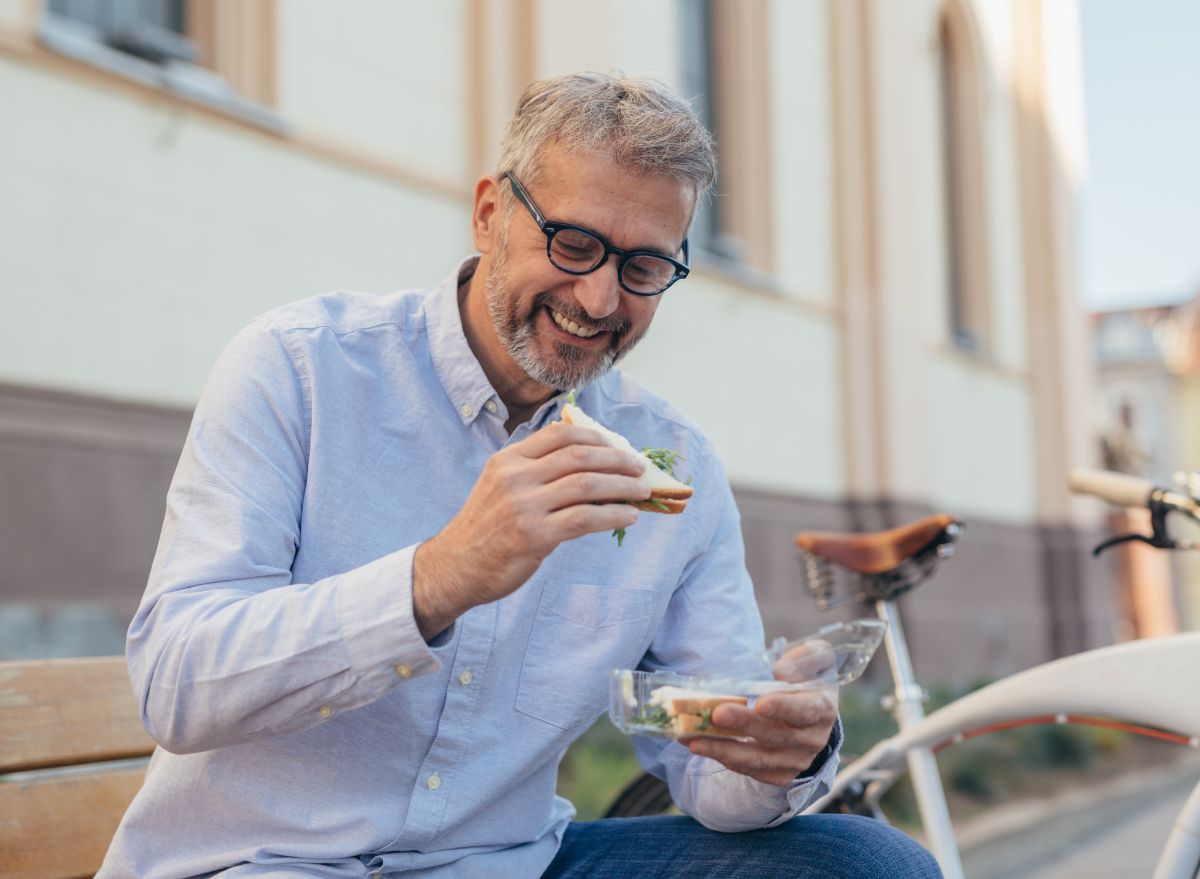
x=875 y=552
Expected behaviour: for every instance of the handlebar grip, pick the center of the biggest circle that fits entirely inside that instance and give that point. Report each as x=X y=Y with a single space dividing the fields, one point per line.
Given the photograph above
x=1118 y=489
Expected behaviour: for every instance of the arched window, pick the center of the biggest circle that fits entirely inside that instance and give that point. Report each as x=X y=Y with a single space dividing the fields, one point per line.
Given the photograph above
x=963 y=183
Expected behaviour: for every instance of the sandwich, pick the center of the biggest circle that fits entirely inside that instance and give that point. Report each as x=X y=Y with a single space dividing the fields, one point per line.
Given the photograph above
x=667 y=494
x=686 y=713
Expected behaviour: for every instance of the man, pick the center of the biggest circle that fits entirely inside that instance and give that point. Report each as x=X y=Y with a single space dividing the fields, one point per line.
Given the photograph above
x=387 y=597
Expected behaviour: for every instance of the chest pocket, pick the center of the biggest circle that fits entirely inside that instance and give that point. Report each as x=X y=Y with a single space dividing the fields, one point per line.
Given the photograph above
x=581 y=632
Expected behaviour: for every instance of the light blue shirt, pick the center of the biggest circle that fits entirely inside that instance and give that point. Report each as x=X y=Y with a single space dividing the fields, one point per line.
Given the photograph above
x=305 y=725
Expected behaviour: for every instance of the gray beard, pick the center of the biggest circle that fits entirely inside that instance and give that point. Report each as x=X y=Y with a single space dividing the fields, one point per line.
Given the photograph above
x=516 y=332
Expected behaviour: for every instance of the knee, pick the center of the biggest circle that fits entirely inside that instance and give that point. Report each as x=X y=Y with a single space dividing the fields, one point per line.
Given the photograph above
x=853 y=847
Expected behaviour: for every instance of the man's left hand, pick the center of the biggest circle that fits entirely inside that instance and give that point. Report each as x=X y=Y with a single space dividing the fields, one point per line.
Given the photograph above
x=786 y=730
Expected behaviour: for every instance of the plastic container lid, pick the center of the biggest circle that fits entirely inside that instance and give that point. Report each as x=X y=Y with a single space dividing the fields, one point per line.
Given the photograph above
x=671 y=705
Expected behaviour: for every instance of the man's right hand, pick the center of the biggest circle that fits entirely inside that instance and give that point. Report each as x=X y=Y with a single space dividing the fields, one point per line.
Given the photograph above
x=558 y=484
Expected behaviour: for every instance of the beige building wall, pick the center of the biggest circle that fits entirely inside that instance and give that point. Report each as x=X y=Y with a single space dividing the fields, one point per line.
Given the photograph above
x=150 y=232
x=801 y=150
x=390 y=77
x=823 y=365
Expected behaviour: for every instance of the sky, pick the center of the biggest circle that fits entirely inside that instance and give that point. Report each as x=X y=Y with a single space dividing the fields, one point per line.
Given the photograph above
x=1140 y=212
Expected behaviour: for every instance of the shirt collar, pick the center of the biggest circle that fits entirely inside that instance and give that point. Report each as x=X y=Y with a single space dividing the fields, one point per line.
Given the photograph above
x=461 y=376
x=465 y=382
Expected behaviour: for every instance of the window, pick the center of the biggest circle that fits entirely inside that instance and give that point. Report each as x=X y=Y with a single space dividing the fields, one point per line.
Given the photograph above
x=725 y=75
x=962 y=154
x=696 y=80
x=212 y=52
x=149 y=29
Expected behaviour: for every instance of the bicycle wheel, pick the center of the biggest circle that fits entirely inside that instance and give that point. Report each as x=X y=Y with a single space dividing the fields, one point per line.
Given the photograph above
x=645 y=795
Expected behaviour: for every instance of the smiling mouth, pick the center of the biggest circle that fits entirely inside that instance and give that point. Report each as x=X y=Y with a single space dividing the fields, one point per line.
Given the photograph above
x=567 y=325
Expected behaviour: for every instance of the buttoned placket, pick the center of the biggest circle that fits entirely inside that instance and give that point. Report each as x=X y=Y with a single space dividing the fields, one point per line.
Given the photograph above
x=436 y=777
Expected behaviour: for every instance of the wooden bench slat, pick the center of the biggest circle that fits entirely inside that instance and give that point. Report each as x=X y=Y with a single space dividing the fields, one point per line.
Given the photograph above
x=61 y=827
x=59 y=712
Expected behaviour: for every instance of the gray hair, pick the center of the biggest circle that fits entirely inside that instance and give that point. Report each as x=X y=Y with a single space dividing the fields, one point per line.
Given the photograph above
x=640 y=123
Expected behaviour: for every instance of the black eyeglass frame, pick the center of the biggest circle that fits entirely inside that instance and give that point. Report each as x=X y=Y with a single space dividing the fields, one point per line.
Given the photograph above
x=550 y=228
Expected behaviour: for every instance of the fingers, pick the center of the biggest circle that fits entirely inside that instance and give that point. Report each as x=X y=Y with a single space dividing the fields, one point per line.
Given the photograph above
x=782 y=720
x=575 y=466
x=591 y=488
x=778 y=766
x=581 y=519
x=558 y=484
x=579 y=457
x=557 y=435
x=786 y=731
x=580 y=472
x=813 y=660
x=772 y=733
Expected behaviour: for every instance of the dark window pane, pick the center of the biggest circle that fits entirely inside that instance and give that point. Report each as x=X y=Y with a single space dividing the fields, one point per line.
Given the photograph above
x=698 y=83
x=112 y=15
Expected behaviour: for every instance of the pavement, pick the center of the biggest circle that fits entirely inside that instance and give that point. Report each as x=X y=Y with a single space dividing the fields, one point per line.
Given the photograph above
x=1113 y=830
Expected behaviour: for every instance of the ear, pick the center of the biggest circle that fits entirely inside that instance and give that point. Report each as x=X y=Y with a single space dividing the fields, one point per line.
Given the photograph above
x=487 y=215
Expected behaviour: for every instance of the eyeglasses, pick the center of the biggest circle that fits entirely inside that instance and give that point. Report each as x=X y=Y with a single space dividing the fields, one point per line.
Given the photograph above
x=579 y=251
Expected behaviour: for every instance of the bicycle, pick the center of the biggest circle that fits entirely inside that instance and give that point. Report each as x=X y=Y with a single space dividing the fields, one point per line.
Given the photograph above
x=1126 y=686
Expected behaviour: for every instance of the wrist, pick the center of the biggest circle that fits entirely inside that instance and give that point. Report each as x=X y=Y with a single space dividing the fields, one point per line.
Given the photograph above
x=831 y=747
x=436 y=591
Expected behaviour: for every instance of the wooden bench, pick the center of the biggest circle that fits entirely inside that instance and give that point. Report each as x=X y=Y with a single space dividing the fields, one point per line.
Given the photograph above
x=72 y=755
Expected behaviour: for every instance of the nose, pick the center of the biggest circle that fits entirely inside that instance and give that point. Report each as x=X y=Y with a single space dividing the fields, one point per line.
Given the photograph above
x=599 y=292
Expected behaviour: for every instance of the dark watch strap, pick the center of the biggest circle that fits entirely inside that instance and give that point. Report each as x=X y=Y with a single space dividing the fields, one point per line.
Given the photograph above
x=831 y=747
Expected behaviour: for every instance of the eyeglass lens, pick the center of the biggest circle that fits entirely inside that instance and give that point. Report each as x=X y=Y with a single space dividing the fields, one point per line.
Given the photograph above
x=573 y=250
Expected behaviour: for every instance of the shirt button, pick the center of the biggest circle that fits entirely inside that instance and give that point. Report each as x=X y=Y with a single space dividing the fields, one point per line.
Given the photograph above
x=433 y=782
x=466 y=677
x=325 y=711
x=490 y=406
x=467 y=411
x=403 y=670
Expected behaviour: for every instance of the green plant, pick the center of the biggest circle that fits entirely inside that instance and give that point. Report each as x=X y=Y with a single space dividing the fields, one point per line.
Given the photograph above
x=977 y=772
x=595 y=769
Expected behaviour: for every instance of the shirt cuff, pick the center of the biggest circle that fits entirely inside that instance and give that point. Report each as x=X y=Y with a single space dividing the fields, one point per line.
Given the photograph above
x=817 y=780
x=375 y=617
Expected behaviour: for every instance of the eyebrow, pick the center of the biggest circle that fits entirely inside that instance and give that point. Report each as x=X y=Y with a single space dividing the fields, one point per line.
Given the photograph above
x=657 y=251
x=550 y=221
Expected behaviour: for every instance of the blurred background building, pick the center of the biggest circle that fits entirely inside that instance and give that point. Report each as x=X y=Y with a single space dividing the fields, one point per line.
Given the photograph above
x=883 y=320
x=1148 y=362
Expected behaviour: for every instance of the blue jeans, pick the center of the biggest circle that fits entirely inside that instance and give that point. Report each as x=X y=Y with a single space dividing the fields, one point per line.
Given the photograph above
x=676 y=847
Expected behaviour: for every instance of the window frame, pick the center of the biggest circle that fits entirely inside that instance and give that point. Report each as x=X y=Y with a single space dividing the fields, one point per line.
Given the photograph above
x=188 y=81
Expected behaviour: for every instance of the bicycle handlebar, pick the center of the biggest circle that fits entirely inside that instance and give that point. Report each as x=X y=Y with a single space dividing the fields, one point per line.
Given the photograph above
x=1122 y=490
x=1118 y=489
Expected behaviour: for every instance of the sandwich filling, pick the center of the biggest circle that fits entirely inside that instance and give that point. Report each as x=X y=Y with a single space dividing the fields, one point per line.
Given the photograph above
x=689 y=712
x=667 y=493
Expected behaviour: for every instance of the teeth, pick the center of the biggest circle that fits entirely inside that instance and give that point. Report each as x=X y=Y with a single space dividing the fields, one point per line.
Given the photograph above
x=571 y=327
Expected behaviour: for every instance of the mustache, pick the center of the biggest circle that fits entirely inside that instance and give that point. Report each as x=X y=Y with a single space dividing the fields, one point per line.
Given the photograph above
x=610 y=325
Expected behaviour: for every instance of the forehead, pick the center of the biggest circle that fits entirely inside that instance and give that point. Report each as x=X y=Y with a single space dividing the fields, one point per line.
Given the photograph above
x=650 y=211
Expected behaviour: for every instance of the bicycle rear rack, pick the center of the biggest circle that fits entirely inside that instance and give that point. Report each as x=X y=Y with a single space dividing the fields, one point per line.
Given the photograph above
x=830 y=588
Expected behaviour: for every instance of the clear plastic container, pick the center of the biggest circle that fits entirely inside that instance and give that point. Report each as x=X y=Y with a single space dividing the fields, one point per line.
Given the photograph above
x=671 y=705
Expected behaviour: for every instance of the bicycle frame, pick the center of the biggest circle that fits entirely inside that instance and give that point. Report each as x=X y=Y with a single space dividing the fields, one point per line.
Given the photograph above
x=1138 y=682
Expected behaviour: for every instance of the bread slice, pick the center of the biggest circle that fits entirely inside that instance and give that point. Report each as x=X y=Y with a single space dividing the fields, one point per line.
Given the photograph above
x=693 y=717
x=692 y=725
x=661 y=505
x=691 y=711
x=667 y=494
x=701 y=704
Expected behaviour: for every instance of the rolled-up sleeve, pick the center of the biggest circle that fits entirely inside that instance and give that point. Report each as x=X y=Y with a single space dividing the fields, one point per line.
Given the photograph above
x=225 y=648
